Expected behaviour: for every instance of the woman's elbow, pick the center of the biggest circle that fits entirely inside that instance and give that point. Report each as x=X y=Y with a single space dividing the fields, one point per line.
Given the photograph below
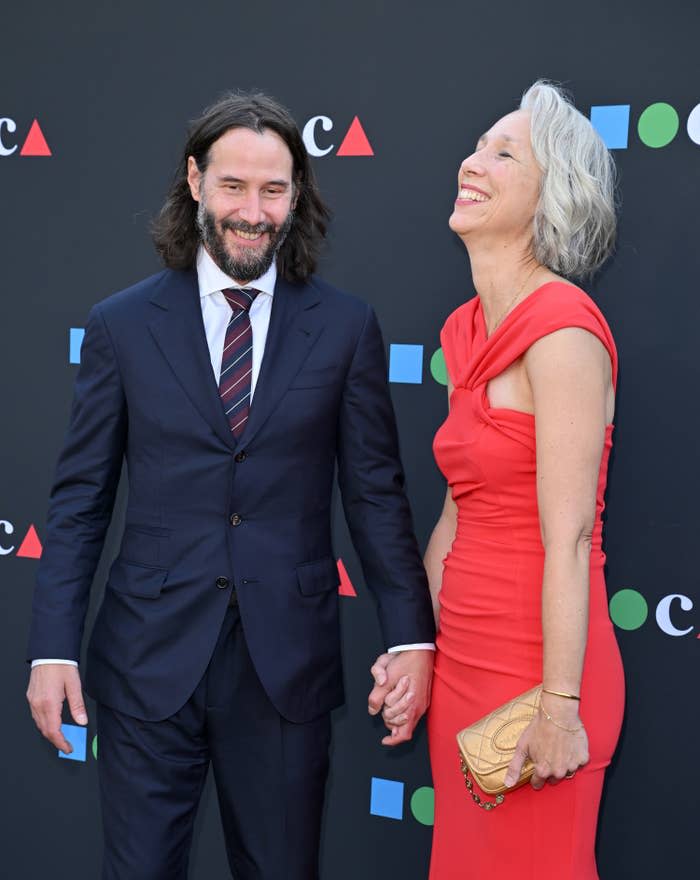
x=575 y=540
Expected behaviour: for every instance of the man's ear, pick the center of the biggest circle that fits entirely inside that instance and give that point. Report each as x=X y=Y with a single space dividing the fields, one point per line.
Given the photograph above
x=194 y=177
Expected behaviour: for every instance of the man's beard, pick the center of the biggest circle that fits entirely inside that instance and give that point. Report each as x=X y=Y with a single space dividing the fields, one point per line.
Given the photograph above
x=251 y=263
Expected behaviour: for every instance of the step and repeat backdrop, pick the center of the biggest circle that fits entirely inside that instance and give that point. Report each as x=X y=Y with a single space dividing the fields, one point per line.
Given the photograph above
x=390 y=97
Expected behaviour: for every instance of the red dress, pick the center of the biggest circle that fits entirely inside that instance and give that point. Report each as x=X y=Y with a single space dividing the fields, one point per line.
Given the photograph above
x=489 y=646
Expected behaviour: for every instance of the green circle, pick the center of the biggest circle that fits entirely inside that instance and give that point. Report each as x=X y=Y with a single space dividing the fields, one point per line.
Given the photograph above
x=658 y=125
x=94 y=747
x=628 y=609
x=423 y=805
x=438 y=367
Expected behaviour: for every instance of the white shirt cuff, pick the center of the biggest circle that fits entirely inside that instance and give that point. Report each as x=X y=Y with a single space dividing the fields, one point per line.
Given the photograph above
x=419 y=646
x=60 y=662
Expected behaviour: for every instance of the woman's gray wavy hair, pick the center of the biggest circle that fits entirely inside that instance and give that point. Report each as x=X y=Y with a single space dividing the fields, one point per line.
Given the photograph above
x=575 y=221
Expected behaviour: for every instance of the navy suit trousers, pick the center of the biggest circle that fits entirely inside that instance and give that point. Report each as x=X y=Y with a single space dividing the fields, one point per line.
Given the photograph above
x=270 y=777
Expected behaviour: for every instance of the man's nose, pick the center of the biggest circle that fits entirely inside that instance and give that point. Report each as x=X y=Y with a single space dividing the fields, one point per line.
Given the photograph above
x=251 y=209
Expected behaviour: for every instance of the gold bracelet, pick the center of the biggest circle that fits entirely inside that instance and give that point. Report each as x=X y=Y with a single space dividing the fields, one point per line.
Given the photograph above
x=557 y=723
x=561 y=694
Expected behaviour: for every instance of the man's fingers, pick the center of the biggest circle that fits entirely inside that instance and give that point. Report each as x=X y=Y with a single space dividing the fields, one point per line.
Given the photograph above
x=49 y=685
x=56 y=738
x=49 y=724
x=378 y=674
x=399 y=735
x=76 y=704
x=378 y=669
x=375 y=701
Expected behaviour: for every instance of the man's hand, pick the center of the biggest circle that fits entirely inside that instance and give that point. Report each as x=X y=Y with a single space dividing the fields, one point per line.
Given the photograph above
x=49 y=685
x=402 y=683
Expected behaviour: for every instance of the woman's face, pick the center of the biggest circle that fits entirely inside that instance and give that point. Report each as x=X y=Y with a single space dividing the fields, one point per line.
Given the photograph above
x=499 y=184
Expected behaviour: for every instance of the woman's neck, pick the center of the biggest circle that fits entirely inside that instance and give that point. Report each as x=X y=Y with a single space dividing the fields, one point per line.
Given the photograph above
x=503 y=276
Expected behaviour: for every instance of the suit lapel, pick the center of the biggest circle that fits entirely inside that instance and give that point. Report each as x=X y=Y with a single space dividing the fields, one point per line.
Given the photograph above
x=295 y=325
x=178 y=330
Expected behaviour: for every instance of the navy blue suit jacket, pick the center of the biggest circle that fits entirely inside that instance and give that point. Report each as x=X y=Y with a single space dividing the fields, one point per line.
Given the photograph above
x=203 y=507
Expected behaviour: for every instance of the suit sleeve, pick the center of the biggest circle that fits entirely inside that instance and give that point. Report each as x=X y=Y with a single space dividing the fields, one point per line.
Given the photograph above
x=82 y=498
x=371 y=482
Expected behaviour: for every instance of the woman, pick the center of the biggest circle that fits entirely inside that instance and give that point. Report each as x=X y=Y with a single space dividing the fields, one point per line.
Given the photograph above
x=515 y=561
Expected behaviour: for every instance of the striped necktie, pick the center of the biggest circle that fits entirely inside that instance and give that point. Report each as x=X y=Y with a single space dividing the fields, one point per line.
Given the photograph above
x=237 y=359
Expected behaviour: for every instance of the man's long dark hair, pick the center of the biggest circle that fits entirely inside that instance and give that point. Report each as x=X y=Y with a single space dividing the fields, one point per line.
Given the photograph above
x=174 y=230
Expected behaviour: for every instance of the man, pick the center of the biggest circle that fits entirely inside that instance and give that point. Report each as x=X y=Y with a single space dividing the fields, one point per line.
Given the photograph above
x=233 y=383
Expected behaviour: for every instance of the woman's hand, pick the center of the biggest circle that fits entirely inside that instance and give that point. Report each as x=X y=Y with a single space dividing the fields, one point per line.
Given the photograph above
x=556 y=753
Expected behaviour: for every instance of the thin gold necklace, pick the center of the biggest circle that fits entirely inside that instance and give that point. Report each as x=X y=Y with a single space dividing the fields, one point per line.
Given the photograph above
x=512 y=302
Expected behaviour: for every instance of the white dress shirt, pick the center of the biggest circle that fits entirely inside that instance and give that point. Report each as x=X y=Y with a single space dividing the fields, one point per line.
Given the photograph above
x=216 y=313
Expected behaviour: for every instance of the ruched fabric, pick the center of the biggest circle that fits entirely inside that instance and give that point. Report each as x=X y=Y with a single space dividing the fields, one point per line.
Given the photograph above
x=489 y=647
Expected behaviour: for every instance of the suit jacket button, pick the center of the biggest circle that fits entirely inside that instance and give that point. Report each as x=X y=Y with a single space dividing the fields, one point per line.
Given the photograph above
x=222 y=583
x=239 y=457
x=235 y=519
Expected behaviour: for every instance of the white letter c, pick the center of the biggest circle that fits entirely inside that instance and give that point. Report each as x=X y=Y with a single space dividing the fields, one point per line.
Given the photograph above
x=663 y=614
x=308 y=134
x=9 y=529
x=11 y=126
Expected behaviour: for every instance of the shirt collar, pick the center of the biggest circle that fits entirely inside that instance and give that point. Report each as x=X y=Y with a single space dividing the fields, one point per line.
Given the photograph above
x=211 y=279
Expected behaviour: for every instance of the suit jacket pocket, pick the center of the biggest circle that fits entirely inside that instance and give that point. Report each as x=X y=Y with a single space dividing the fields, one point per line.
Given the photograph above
x=136 y=580
x=318 y=577
x=145 y=545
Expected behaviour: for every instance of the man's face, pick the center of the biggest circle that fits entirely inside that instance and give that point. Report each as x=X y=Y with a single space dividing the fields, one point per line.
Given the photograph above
x=246 y=198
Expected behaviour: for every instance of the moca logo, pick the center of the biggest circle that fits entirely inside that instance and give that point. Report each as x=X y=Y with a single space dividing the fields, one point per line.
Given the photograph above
x=34 y=143
x=29 y=547
x=355 y=142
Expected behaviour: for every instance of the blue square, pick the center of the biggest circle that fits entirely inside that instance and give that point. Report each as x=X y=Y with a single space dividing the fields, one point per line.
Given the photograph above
x=406 y=363
x=612 y=122
x=76 y=340
x=77 y=737
x=386 y=798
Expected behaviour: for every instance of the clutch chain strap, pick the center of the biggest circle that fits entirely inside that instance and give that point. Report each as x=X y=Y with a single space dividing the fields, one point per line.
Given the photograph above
x=485 y=805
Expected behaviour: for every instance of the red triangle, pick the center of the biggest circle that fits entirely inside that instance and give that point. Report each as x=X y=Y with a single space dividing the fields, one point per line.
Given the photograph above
x=355 y=142
x=31 y=546
x=35 y=144
x=346 y=588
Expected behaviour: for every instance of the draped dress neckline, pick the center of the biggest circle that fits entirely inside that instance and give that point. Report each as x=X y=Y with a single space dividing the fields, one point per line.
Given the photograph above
x=552 y=306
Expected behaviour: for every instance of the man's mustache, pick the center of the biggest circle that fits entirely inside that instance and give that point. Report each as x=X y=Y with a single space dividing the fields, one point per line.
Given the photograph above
x=242 y=226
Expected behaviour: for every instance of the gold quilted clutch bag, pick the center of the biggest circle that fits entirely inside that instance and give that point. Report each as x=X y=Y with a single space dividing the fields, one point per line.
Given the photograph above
x=486 y=747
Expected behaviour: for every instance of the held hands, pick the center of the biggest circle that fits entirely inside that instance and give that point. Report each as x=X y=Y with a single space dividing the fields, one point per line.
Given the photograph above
x=556 y=753
x=49 y=685
x=401 y=691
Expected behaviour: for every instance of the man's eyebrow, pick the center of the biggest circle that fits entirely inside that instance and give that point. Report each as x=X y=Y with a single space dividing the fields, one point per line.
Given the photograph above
x=230 y=178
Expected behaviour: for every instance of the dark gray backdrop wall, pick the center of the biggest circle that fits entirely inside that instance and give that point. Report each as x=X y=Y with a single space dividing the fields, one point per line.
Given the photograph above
x=111 y=86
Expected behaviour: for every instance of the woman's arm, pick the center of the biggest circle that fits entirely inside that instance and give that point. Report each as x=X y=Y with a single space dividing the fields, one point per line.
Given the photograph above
x=570 y=376
x=569 y=372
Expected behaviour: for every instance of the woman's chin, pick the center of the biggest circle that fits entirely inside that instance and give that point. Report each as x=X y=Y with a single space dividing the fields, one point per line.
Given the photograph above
x=459 y=224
